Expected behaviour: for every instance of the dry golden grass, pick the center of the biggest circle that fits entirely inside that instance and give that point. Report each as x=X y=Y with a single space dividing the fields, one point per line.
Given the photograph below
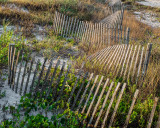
x=143 y=34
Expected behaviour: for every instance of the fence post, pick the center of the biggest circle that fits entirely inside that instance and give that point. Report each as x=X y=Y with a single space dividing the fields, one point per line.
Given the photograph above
x=10 y=59
x=152 y=113
x=127 y=38
x=147 y=56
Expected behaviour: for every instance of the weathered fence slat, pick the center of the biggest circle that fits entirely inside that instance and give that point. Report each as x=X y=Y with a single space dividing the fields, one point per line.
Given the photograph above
x=152 y=113
x=24 y=73
x=40 y=75
x=135 y=48
x=140 y=64
x=74 y=87
x=86 y=88
x=17 y=60
x=19 y=72
x=110 y=105
x=29 y=73
x=136 y=61
x=104 y=103
x=127 y=64
x=64 y=82
x=99 y=99
x=117 y=104
x=52 y=78
x=131 y=108
x=85 y=105
x=76 y=98
x=95 y=94
x=34 y=76
x=58 y=80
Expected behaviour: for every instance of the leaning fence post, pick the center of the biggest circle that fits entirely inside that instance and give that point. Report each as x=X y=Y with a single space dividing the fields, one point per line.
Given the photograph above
x=127 y=38
x=10 y=56
x=12 y=67
x=131 y=108
x=152 y=113
x=147 y=56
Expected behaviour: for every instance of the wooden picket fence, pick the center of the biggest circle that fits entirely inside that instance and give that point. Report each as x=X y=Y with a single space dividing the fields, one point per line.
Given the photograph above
x=115 y=5
x=98 y=34
x=127 y=61
x=85 y=96
x=114 y=19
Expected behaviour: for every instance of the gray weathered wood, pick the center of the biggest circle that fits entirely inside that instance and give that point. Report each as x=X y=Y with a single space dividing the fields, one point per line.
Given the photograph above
x=127 y=64
x=152 y=113
x=131 y=108
x=58 y=80
x=15 y=70
x=136 y=61
x=86 y=88
x=140 y=65
x=135 y=49
x=52 y=78
x=117 y=104
x=40 y=75
x=110 y=105
x=95 y=94
x=76 y=82
x=85 y=105
x=29 y=73
x=17 y=82
x=79 y=91
x=24 y=73
x=64 y=82
x=98 y=102
x=104 y=103
x=34 y=76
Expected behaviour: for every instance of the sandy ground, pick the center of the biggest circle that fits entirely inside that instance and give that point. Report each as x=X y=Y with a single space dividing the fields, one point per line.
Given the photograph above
x=152 y=3
x=148 y=18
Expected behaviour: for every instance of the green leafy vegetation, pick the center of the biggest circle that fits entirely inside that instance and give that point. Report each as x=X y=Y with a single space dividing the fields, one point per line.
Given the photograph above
x=6 y=38
x=63 y=119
